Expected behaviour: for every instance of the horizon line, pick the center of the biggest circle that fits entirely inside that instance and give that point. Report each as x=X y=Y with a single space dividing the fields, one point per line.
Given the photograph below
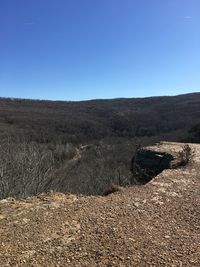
x=92 y=99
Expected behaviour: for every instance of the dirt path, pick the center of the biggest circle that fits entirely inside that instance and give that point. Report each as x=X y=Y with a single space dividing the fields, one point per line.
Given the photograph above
x=153 y=225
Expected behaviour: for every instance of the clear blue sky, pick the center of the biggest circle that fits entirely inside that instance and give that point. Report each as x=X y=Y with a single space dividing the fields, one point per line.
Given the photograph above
x=85 y=49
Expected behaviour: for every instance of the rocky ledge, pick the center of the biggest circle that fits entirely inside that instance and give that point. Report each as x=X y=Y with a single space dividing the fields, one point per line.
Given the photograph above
x=156 y=224
x=150 y=161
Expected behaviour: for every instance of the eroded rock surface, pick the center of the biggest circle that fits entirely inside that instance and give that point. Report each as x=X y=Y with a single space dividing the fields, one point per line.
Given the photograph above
x=152 y=225
x=152 y=160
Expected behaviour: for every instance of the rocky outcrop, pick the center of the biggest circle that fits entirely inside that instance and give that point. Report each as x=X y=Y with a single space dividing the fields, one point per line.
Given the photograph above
x=150 y=161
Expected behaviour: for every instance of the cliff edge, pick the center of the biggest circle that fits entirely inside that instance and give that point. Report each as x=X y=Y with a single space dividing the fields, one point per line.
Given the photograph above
x=156 y=224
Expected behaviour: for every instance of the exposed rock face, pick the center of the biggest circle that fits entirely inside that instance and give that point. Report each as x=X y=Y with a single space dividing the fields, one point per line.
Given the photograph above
x=152 y=160
x=152 y=225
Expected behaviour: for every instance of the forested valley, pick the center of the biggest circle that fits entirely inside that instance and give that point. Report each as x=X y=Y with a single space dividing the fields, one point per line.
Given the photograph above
x=83 y=147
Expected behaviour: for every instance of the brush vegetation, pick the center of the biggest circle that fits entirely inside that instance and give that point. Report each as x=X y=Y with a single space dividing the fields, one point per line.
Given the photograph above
x=85 y=147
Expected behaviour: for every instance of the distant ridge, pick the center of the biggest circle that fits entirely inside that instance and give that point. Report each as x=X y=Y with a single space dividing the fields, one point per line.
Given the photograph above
x=83 y=121
x=98 y=99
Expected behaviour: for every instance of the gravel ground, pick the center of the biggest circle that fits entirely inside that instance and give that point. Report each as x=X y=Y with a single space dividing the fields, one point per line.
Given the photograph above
x=153 y=225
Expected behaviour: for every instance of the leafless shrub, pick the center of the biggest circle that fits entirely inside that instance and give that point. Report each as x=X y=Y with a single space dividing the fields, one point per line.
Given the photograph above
x=184 y=155
x=25 y=169
x=63 y=151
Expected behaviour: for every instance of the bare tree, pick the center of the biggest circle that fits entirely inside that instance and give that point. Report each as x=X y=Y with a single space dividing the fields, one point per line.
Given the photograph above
x=25 y=169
